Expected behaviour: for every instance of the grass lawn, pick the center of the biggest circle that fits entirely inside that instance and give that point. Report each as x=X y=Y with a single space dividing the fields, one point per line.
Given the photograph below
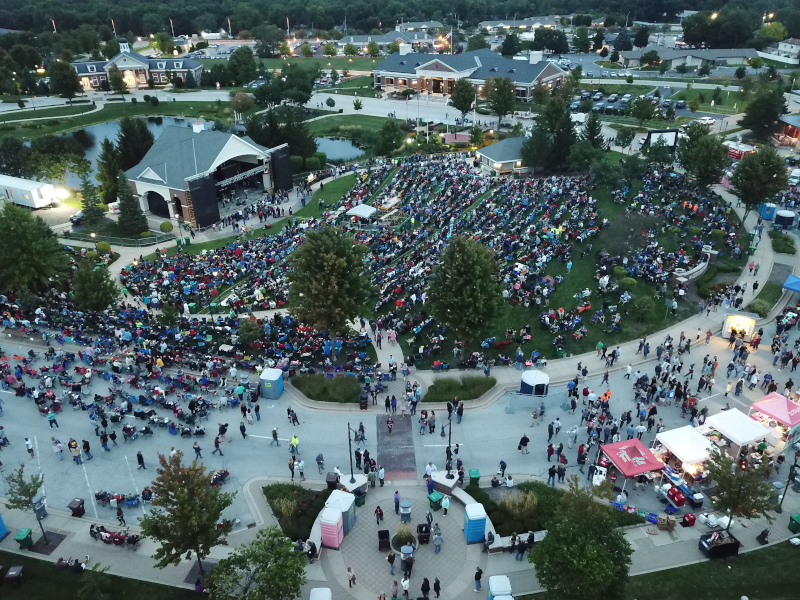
x=766 y=299
x=468 y=387
x=56 y=111
x=618 y=88
x=116 y=111
x=342 y=389
x=607 y=64
x=621 y=126
x=43 y=580
x=725 y=106
x=331 y=193
x=330 y=125
x=357 y=86
x=172 y=250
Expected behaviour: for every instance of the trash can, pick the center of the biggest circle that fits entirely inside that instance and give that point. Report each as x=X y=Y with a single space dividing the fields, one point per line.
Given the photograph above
x=192 y=308
x=361 y=496
x=187 y=241
x=178 y=242
x=363 y=401
x=751 y=250
x=474 y=476
x=77 y=507
x=39 y=506
x=751 y=235
x=435 y=499
x=213 y=307
x=405 y=511
x=24 y=539
x=794 y=523
x=560 y=353
x=332 y=479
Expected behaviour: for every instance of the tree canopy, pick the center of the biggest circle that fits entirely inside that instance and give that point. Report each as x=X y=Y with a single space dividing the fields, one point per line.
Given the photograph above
x=463 y=96
x=745 y=490
x=133 y=142
x=132 y=221
x=702 y=154
x=763 y=112
x=759 y=176
x=94 y=288
x=500 y=95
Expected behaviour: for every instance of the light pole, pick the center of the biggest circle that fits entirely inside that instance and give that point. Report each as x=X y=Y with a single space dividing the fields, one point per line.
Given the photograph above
x=94 y=236
x=449 y=445
x=350 y=446
x=792 y=476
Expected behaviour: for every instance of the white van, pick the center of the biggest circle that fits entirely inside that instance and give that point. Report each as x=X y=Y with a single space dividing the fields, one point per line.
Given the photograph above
x=794 y=178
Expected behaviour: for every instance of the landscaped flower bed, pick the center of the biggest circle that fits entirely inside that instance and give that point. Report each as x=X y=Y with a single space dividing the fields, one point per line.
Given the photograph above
x=295 y=507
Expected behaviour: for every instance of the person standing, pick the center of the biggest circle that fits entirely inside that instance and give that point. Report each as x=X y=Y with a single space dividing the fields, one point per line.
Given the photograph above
x=51 y=418
x=275 y=437
x=478 y=575
x=217 y=442
x=390 y=558
x=379 y=517
x=197 y=450
x=58 y=448
x=437 y=542
x=405 y=583
x=87 y=450
x=382 y=475
x=291 y=466
x=140 y=460
x=113 y=437
x=29 y=446
x=104 y=442
x=120 y=516
x=351 y=577
x=396 y=502
x=551 y=476
x=445 y=504
x=300 y=465
x=425 y=588
x=437 y=586
x=523 y=444
x=243 y=430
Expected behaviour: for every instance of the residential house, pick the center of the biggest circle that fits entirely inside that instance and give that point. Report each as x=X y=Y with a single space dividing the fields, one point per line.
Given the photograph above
x=692 y=58
x=415 y=38
x=527 y=23
x=418 y=26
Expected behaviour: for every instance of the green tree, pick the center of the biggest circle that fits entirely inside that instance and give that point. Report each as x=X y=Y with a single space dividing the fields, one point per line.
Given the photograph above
x=94 y=288
x=330 y=102
x=330 y=287
x=20 y=492
x=132 y=221
x=625 y=137
x=117 y=82
x=763 y=112
x=741 y=72
x=357 y=105
x=350 y=50
x=15 y=157
x=500 y=95
x=241 y=102
x=95 y=583
x=704 y=71
x=773 y=32
x=540 y=93
x=133 y=142
x=702 y=154
x=306 y=50
x=476 y=42
x=249 y=332
x=695 y=104
x=642 y=110
x=283 y=49
x=464 y=293
x=393 y=47
x=107 y=171
x=55 y=156
x=329 y=49
x=511 y=45
x=64 y=80
x=390 y=137
x=623 y=42
x=242 y=65
x=659 y=153
x=759 y=177
x=599 y=39
x=582 y=155
x=581 y=39
x=32 y=255
x=614 y=57
x=265 y=569
x=163 y=41
x=268 y=38
x=93 y=215
x=168 y=317
x=606 y=172
x=476 y=136
x=663 y=67
x=670 y=114
x=744 y=490
x=604 y=51
x=642 y=37
x=650 y=58
x=593 y=131
x=757 y=63
x=463 y=96
x=111 y=48
x=185 y=513
x=584 y=555
x=373 y=49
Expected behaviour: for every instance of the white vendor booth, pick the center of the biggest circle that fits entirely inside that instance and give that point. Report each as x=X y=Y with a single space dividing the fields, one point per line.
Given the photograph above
x=687 y=444
x=732 y=430
x=741 y=322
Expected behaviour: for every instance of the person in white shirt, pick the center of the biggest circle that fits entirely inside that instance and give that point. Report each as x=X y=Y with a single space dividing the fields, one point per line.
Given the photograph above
x=430 y=469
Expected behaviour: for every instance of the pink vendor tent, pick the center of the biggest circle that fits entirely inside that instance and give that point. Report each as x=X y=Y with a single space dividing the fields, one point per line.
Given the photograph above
x=779 y=408
x=631 y=458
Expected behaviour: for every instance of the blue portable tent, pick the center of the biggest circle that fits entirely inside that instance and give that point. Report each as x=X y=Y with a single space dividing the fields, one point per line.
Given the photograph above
x=792 y=283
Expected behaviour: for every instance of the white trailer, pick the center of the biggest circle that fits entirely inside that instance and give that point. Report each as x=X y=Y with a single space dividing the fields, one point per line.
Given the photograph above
x=26 y=192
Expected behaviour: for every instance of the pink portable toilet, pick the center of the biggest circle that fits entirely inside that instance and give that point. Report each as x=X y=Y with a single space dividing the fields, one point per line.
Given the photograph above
x=332 y=527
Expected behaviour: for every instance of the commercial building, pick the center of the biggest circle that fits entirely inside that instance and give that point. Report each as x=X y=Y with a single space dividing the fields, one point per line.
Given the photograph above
x=437 y=74
x=503 y=158
x=418 y=26
x=495 y=27
x=692 y=58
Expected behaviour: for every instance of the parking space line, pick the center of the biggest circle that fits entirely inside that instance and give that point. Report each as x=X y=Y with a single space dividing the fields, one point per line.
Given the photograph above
x=91 y=493
x=135 y=488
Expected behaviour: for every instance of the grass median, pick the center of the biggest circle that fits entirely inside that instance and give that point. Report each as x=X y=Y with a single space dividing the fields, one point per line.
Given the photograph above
x=467 y=387
x=342 y=389
x=766 y=299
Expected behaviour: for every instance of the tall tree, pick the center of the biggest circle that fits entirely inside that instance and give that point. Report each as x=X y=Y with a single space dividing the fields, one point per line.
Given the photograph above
x=623 y=41
x=642 y=37
x=93 y=215
x=330 y=287
x=763 y=112
x=111 y=48
x=593 y=131
x=186 y=512
x=606 y=172
x=390 y=137
x=329 y=49
x=163 y=41
x=242 y=65
x=64 y=80
x=743 y=489
x=476 y=42
x=584 y=555
x=642 y=110
x=132 y=221
x=350 y=50
x=702 y=154
x=117 y=82
x=21 y=491
x=511 y=45
x=108 y=171
x=464 y=293
x=500 y=95
x=550 y=143
x=55 y=156
x=31 y=252
x=581 y=39
x=267 y=568
x=15 y=157
x=625 y=137
x=133 y=142
x=94 y=288
x=599 y=40
x=373 y=49
x=583 y=155
x=463 y=96
x=759 y=176
x=658 y=153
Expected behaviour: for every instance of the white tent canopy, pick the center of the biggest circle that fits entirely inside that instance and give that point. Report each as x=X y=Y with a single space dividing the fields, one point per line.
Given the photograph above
x=688 y=444
x=363 y=211
x=535 y=382
x=737 y=427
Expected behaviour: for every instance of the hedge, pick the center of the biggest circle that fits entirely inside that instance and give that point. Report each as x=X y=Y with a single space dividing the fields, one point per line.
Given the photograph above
x=467 y=387
x=297 y=164
x=344 y=389
x=166 y=227
x=782 y=243
x=312 y=164
x=322 y=158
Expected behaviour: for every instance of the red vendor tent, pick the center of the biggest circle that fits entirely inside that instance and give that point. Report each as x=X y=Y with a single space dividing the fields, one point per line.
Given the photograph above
x=779 y=408
x=631 y=457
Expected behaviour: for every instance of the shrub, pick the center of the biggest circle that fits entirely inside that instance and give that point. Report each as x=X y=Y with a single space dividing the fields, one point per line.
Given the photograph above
x=154 y=101
x=134 y=100
x=92 y=256
x=481 y=497
x=497 y=518
x=312 y=164
x=405 y=535
x=760 y=307
x=322 y=389
x=694 y=231
x=703 y=289
x=521 y=506
x=620 y=272
x=284 y=508
x=146 y=234
x=322 y=158
x=468 y=387
x=103 y=247
x=782 y=243
x=146 y=97
x=628 y=283
x=297 y=164
x=717 y=235
x=166 y=227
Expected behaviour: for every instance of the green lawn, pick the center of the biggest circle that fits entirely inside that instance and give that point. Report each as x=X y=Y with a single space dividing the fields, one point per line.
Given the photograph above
x=357 y=86
x=724 y=107
x=115 y=112
x=766 y=299
x=618 y=88
x=357 y=63
x=331 y=193
x=57 y=111
x=607 y=64
x=43 y=580
x=327 y=125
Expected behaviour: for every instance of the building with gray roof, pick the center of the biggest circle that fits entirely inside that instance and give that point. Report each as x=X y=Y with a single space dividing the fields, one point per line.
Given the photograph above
x=418 y=25
x=503 y=157
x=692 y=58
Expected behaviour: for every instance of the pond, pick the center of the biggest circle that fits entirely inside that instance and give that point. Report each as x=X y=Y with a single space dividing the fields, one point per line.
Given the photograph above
x=338 y=149
x=98 y=133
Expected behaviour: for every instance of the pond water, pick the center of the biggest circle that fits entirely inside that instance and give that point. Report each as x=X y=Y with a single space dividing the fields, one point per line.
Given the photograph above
x=338 y=149
x=98 y=133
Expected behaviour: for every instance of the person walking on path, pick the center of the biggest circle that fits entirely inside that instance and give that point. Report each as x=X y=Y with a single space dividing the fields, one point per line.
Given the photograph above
x=551 y=476
x=223 y=432
x=51 y=418
x=390 y=558
x=197 y=450
x=291 y=466
x=425 y=588
x=275 y=437
x=405 y=583
x=29 y=446
x=396 y=502
x=243 y=430
x=437 y=586
x=104 y=442
x=445 y=504
x=217 y=448
x=87 y=450
x=523 y=444
x=379 y=517
x=478 y=575
x=351 y=577
x=113 y=437
x=140 y=460
x=76 y=452
x=120 y=516
x=437 y=542
x=58 y=448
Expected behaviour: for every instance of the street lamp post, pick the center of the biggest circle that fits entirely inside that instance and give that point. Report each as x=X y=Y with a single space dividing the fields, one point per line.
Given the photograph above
x=350 y=446
x=449 y=445
x=792 y=472
x=94 y=236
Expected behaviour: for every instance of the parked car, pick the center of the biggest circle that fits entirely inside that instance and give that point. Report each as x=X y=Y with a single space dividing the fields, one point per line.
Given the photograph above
x=707 y=120
x=599 y=106
x=77 y=218
x=589 y=73
x=598 y=96
x=667 y=103
x=574 y=105
x=605 y=73
x=628 y=74
x=613 y=98
x=680 y=104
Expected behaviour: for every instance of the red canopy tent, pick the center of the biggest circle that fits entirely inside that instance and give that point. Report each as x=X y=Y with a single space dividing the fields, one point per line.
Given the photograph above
x=631 y=458
x=779 y=408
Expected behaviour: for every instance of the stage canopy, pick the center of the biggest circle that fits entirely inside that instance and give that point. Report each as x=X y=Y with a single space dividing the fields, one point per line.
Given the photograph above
x=688 y=444
x=737 y=427
x=779 y=408
x=792 y=283
x=631 y=457
x=534 y=383
x=363 y=211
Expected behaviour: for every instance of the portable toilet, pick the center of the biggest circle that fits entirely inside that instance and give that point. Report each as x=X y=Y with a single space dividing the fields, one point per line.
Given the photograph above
x=3 y=528
x=767 y=211
x=330 y=522
x=271 y=383
x=499 y=587
x=474 y=523
x=345 y=502
x=320 y=594
x=784 y=218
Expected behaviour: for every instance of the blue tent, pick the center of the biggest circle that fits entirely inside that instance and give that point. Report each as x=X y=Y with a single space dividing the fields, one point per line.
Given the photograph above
x=792 y=283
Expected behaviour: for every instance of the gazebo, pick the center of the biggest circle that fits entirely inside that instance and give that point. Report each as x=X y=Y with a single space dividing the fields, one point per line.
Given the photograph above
x=631 y=458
